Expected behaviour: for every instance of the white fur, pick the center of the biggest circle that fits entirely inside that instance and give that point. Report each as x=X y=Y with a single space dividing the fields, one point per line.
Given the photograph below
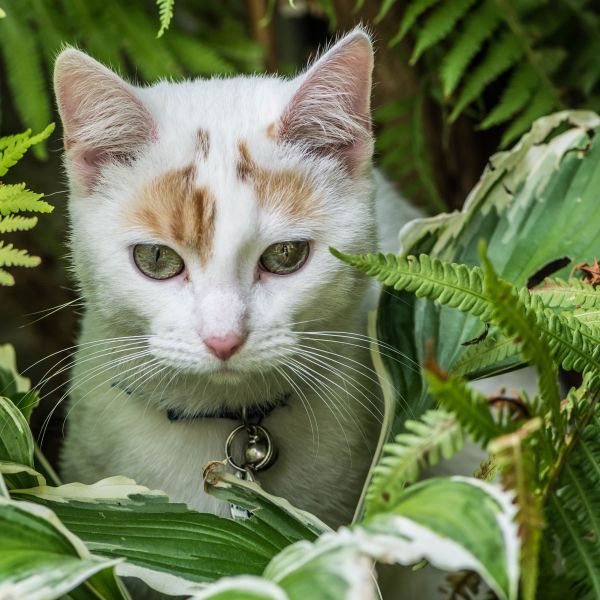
x=326 y=434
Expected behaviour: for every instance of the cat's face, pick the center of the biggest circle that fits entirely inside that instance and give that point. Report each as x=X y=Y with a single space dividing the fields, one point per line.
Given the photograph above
x=202 y=212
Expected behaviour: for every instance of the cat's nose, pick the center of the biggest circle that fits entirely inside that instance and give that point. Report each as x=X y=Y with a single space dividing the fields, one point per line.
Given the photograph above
x=226 y=346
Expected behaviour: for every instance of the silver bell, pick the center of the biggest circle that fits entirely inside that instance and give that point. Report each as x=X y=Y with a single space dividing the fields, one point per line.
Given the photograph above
x=260 y=451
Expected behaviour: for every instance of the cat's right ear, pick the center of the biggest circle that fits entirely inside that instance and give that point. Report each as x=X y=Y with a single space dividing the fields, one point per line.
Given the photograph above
x=103 y=120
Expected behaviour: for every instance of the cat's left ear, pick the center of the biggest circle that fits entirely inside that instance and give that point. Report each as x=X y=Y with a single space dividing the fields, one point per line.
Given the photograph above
x=330 y=112
x=103 y=119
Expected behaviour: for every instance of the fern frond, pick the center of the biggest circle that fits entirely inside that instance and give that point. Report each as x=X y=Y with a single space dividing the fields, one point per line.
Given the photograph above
x=24 y=72
x=13 y=147
x=457 y=286
x=478 y=27
x=468 y=406
x=477 y=359
x=515 y=315
x=413 y=11
x=165 y=12
x=16 y=197
x=6 y=278
x=558 y=293
x=438 y=25
x=13 y=223
x=543 y=102
x=11 y=257
x=514 y=97
x=515 y=460
x=501 y=55
x=436 y=435
x=581 y=555
x=571 y=343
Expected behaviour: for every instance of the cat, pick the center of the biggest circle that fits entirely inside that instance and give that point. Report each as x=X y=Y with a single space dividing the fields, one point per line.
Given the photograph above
x=201 y=216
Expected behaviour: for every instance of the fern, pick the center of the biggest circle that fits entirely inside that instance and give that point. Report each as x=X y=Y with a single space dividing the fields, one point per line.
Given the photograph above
x=468 y=406
x=457 y=286
x=25 y=77
x=410 y=16
x=543 y=102
x=439 y=25
x=492 y=351
x=502 y=54
x=436 y=435
x=165 y=11
x=404 y=149
x=15 y=198
x=572 y=294
x=515 y=460
x=477 y=28
x=571 y=343
x=516 y=317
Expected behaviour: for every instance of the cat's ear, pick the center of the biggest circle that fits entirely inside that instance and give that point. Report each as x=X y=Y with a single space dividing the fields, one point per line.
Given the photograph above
x=330 y=112
x=103 y=120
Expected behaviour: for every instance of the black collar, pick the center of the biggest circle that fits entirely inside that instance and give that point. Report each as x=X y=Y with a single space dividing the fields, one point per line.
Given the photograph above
x=255 y=413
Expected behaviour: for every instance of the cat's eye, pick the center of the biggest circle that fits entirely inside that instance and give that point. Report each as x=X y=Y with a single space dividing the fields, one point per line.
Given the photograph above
x=157 y=261
x=284 y=258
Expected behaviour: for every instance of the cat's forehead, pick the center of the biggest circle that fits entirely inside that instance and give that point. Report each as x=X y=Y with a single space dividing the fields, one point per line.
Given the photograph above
x=227 y=108
x=223 y=189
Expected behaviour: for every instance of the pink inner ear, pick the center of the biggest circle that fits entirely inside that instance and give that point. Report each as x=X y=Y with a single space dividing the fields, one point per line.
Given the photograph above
x=330 y=112
x=102 y=117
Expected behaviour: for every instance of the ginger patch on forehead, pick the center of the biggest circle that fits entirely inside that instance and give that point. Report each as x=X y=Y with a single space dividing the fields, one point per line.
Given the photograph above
x=288 y=192
x=173 y=210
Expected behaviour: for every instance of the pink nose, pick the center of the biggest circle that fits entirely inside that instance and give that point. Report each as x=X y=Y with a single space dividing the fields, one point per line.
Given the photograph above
x=224 y=347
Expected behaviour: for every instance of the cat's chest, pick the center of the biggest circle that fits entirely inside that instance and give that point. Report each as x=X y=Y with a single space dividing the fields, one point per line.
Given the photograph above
x=319 y=462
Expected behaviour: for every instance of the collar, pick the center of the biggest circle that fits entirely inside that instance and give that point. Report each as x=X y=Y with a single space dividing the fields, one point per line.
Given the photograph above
x=255 y=413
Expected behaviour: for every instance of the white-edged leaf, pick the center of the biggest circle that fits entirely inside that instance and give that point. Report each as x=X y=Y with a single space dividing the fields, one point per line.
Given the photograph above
x=40 y=558
x=170 y=547
x=244 y=587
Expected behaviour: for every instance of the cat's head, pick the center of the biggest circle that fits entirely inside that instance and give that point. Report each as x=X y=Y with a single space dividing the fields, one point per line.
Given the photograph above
x=202 y=211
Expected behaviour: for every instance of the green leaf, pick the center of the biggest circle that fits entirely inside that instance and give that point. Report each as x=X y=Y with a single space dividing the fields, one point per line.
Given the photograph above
x=517 y=316
x=571 y=294
x=24 y=73
x=16 y=445
x=438 y=25
x=470 y=408
x=165 y=11
x=40 y=558
x=515 y=96
x=502 y=54
x=117 y=518
x=413 y=11
x=437 y=435
x=542 y=102
x=479 y=26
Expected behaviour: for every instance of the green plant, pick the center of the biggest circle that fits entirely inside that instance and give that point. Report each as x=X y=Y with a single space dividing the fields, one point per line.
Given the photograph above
x=214 y=41
x=16 y=199
x=540 y=447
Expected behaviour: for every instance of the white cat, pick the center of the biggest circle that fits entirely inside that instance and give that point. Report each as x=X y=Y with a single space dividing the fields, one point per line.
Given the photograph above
x=201 y=218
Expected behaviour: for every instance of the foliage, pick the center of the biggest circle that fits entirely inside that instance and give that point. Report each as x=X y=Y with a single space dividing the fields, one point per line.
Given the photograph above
x=15 y=199
x=89 y=535
x=118 y=35
x=546 y=487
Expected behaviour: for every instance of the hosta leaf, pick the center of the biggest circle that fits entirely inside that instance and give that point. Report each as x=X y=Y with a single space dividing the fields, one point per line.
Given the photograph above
x=40 y=558
x=118 y=519
x=16 y=445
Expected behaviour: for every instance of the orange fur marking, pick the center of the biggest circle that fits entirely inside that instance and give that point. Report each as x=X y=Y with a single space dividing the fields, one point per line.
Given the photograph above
x=173 y=210
x=284 y=191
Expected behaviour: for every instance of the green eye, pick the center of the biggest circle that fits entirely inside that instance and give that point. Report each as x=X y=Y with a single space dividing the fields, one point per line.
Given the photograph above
x=156 y=261
x=283 y=258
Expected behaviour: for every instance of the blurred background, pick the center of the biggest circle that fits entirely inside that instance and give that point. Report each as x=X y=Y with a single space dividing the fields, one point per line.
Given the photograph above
x=455 y=81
